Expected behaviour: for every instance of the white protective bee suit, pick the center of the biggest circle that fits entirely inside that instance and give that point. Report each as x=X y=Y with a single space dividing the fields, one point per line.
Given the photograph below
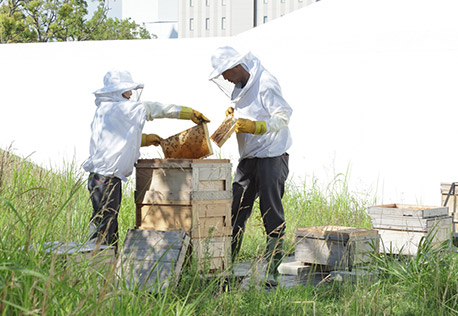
x=260 y=100
x=263 y=165
x=117 y=126
x=115 y=147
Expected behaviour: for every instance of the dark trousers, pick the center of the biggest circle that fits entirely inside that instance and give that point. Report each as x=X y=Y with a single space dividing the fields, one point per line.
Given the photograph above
x=264 y=178
x=106 y=201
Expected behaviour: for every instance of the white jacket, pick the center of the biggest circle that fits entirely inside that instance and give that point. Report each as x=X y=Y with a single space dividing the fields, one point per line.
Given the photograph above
x=117 y=127
x=260 y=100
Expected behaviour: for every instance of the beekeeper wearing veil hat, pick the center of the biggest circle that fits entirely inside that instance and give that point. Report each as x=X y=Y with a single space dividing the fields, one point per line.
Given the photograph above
x=116 y=137
x=263 y=138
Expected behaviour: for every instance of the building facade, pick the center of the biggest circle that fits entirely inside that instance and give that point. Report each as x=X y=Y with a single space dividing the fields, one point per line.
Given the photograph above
x=204 y=18
x=159 y=17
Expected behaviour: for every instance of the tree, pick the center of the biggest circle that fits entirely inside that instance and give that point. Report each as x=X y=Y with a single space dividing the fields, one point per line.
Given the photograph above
x=61 y=20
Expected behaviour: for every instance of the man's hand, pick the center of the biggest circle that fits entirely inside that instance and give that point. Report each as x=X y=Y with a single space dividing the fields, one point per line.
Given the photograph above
x=151 y=139
x=198 y=117
x=250 y=127
x=189 y=114
x=230 y=111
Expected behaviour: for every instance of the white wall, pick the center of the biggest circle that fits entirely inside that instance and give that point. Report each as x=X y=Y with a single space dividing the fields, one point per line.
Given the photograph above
x=372 y=83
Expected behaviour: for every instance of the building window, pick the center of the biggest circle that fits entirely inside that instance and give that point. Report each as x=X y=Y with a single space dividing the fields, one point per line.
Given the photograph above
x=282 y=1
x=207 y=23
x=299 y=0
x=265 y=19
x=191 y=3
x=191 y=24
x=207 y=3
x=223 y=23
x=266 y=1
x=223 y=2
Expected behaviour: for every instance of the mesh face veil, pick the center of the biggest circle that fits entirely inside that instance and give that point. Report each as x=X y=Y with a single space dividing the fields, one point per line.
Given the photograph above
x=136 y=94
x=226 y=86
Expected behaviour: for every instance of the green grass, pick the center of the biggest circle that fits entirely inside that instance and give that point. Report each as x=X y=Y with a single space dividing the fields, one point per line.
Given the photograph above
x=38 y=205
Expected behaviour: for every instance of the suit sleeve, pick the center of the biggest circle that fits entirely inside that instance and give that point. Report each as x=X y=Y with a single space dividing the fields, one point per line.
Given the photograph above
x=155 y=110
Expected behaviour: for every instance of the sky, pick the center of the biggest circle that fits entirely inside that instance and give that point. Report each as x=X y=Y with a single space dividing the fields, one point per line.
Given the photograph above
x=372 y=84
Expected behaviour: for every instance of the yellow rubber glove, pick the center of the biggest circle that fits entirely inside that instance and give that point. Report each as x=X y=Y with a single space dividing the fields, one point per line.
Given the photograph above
x=250 y=127
x=189 y=114
x=230 y=111
x=150 y=139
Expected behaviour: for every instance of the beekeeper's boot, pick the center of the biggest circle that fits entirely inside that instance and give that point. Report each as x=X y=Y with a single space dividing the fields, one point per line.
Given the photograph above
x=274 y=256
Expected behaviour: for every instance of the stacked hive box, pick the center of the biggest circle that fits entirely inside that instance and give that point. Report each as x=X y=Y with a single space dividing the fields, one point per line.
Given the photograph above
x=402 y=226
x=452 y=203
x=336 y=247
x=190 y=195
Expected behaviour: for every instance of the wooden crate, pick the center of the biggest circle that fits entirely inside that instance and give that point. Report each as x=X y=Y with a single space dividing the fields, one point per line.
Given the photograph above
x=335 y=246
x=452 y=203
x=188 y=195
x=401 y=226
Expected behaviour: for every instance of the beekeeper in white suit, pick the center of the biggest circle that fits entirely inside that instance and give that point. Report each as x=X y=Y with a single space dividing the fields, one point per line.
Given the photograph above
x=263 y=138
x=115 y=146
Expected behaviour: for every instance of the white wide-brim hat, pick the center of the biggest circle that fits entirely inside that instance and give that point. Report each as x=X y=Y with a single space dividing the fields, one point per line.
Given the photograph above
x=118 y=80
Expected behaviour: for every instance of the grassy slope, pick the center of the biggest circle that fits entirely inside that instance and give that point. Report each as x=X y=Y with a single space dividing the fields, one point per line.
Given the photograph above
x=37 y=206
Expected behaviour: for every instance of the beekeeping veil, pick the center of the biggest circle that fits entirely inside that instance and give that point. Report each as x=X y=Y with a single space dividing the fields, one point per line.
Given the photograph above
x=226 y=58
x=115 y=83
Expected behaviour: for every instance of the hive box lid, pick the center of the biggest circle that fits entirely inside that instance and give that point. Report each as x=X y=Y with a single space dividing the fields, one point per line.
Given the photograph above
x=175 y=163
x=418 y=211
x=331 y=232
x=152 y=259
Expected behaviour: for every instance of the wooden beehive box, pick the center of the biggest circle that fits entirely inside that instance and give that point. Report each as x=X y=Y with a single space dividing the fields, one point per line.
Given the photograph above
x=337 y=247
x=152 y=259
x=402 y=226
x=189 y=195
x=193 y=143
x=224 y=131
x=452 y=203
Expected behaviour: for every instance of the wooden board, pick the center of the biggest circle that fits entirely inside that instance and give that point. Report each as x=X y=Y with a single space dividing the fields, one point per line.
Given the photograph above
x=224 y=131
x=164 y=217
x=452 y=203
x=335 y=246
x=193 y=143
x=407 y=223
x=418 y=211
x=152 y=259
x=213 y=254
x=211 y=218
x=203 y=218
x=96 y=256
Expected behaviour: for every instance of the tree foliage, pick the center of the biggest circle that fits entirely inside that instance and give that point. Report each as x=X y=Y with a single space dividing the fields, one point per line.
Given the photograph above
x=62 y=20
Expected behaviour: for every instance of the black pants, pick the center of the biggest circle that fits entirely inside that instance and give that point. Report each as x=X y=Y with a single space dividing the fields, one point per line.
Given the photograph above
x=106 y=201
x=264 y=178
